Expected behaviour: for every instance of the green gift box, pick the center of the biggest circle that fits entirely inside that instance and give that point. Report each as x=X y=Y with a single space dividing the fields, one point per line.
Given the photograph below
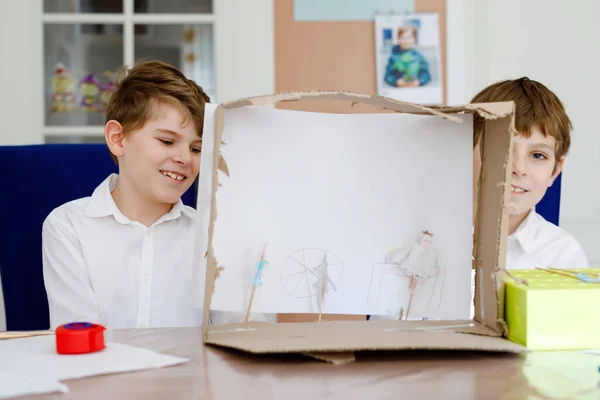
x=552 y=311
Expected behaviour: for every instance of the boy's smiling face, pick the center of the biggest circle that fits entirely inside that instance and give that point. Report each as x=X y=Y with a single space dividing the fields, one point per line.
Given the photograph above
x=534 y=170
x=161 y=160
x=406 y=40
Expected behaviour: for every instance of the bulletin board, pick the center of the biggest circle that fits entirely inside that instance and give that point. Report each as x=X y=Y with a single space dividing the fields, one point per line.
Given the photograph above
x=333 y=55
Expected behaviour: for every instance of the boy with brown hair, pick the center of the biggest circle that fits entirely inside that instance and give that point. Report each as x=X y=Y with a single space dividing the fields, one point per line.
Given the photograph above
x=539 y=151
x=407 y=67
x=124 y=257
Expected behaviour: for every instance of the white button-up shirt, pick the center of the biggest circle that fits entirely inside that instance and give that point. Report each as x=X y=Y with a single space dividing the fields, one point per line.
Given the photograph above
x=101 y=267
x=539 y=243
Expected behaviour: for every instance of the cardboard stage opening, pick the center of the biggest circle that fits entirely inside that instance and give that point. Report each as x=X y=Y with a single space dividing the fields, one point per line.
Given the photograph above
x=374 y=174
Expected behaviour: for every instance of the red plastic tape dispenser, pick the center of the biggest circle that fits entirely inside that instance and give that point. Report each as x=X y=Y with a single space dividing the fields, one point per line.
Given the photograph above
x=79 y=338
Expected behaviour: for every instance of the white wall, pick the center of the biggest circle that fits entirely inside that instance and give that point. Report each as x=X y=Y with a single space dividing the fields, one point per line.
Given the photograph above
x=20 y=34
x=554 y=42
x=19 y=80
x=244 y=48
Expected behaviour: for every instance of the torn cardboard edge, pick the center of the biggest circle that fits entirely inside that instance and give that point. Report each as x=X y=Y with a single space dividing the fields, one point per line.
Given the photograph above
x=489 y=243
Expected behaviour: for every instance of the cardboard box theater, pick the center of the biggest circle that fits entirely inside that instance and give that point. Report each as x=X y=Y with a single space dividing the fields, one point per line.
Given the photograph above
x=257 y=169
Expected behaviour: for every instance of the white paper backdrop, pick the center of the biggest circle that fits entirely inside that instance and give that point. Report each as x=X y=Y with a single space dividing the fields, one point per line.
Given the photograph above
x=350 y=187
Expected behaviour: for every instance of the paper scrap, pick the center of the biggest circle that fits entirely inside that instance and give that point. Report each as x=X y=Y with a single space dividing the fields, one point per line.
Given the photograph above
x=348 y=10
x=37 y=357
x=17 y=385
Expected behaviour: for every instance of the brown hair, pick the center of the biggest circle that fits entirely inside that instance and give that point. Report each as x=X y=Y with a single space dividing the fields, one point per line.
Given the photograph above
x=408 y=28
x=148 y=82
x=536 y=105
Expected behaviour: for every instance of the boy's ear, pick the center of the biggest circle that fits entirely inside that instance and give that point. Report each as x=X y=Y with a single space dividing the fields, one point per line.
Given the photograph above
x=557 y=170
x=113 y=134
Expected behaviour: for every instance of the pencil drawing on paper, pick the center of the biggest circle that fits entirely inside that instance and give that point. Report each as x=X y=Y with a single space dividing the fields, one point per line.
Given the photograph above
x=303 y=272
x=405 y=275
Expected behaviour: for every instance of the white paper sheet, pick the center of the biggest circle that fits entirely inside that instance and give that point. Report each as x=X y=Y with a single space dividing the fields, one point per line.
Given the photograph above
x=344 y=189
x=37 y=367
x=13 y=385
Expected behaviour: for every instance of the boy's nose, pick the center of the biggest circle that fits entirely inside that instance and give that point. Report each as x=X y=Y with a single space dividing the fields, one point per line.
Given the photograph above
x=182 y=157
x=519 y=166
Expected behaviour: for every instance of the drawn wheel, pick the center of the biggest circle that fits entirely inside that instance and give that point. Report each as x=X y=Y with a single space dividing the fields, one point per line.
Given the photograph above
x=301 y=276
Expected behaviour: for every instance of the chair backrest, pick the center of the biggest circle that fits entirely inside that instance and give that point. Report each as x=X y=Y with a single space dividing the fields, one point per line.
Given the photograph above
x=549 y=207
x=39 y=178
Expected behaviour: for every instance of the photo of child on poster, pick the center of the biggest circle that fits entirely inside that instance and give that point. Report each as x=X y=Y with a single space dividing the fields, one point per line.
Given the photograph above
x=407 y=52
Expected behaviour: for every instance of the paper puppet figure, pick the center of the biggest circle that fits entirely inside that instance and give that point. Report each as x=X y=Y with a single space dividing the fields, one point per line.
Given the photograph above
x=323 y=274
x=105 y=92
x=63 y=90
x=90 y=87
x=323 y=284
x=262 y=264
x=419 y=262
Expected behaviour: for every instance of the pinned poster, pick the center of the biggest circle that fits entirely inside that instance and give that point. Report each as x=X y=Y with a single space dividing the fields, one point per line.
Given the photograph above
x=408 y=57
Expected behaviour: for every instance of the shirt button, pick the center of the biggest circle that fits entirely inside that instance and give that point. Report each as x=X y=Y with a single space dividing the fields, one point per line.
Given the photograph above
x=145 y=277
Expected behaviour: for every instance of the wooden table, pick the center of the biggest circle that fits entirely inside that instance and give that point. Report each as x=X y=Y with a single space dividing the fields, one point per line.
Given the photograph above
x=214 y=373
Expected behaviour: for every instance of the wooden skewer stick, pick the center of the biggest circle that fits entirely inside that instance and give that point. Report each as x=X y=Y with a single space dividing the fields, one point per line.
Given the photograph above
x=558 y=272
x=250 y=303
x=413 y=288
x=323 y=283
x=257 y=278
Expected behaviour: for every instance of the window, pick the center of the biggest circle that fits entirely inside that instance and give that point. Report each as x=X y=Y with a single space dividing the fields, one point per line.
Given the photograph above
x=87 y=41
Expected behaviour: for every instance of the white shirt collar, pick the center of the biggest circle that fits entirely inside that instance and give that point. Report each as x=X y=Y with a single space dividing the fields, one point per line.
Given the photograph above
x=526 y=233
x=102 y=204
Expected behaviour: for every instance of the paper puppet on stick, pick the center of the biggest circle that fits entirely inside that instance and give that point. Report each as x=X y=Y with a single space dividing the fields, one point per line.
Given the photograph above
x=420 y=262
x=257 y=279
x=324 y=283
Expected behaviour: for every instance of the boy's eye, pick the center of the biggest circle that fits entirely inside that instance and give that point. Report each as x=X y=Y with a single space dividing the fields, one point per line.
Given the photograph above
x=196 y=150
x=165 y=141
x=539 y=156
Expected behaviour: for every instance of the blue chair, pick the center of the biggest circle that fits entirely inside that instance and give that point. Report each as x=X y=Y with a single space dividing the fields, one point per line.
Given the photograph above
x=37 y=179
x=549 y=206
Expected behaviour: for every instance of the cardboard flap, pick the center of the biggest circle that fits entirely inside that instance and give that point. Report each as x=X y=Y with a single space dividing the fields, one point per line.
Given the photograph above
x=349 y=336
x=378 y=101
x=490 y=237
x=211 y=262
x=485 y=110
x=492 y=222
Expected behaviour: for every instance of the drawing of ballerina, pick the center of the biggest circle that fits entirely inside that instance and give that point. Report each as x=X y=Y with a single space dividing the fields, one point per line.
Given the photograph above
x=419 y=262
